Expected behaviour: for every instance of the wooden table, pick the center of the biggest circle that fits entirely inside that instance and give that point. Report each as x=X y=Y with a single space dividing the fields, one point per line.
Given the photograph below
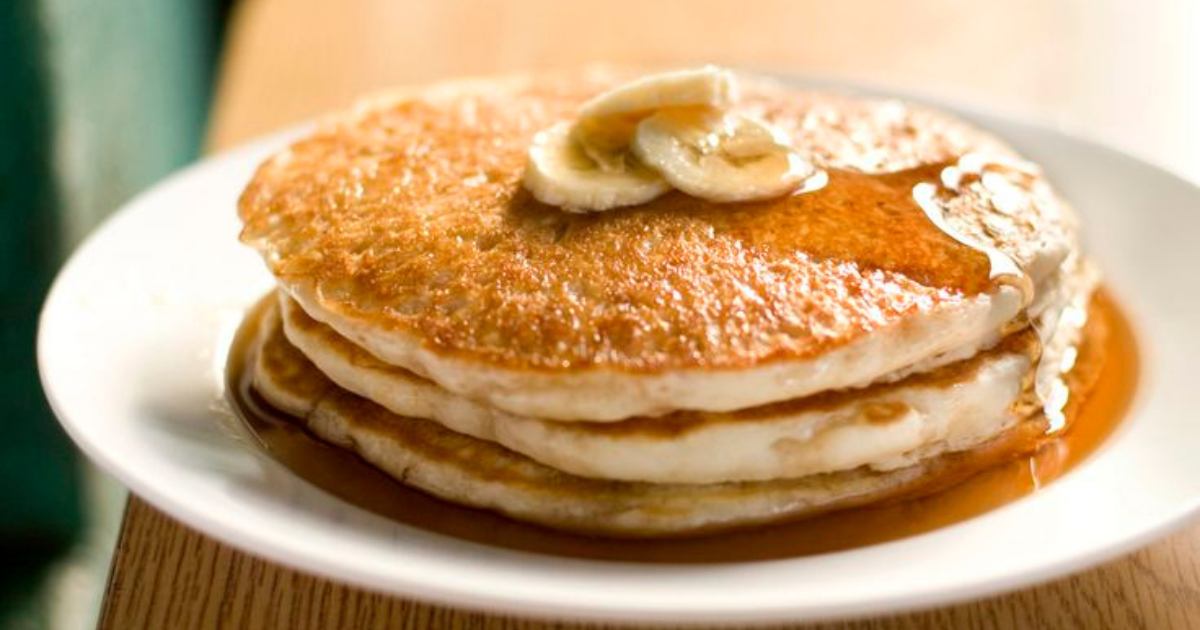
x=289 y=59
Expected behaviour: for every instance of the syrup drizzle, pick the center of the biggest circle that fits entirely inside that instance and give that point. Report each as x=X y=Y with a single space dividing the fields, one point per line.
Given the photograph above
x=1107 y=357
x=1087 y=420
x=996 y=174
x=1003 y=268
x=1058 y=359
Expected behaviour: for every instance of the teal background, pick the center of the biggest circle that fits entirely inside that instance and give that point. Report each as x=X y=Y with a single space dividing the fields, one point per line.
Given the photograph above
x=37 y=480
x=98 y=100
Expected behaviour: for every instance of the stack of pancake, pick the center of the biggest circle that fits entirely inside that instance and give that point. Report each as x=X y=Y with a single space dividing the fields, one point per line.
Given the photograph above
x=675 y=366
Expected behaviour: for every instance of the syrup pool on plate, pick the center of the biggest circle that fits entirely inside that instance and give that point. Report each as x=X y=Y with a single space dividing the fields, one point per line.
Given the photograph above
x=1107 y=357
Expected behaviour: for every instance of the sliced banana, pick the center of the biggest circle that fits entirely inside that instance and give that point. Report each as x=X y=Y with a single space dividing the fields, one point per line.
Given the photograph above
x=708 y=86
x=561 y=173
x=719 y=156
x=633 y=143
x=606 y=123
x=606 y=140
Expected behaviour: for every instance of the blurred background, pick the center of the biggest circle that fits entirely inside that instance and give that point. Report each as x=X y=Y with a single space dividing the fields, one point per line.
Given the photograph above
x=103 y=97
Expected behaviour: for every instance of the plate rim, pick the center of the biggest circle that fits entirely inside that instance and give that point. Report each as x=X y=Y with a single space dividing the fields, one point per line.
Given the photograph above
x=463 y=595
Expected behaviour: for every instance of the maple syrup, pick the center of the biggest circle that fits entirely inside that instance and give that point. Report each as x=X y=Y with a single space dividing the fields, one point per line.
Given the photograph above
x=1105 y=372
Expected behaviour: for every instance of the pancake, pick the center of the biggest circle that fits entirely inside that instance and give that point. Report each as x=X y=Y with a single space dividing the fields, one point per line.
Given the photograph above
x=477 y=473
x=404 y=227
x=882 y=427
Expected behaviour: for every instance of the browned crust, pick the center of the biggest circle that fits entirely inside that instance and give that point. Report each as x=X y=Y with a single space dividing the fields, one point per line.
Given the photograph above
x=409 y=218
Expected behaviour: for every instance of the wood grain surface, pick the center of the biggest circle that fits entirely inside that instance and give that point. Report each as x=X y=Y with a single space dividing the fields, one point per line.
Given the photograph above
x=287 y=60
x=168 y=576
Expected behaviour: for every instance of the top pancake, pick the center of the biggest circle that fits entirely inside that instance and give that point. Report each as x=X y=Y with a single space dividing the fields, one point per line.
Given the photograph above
x=405 y=227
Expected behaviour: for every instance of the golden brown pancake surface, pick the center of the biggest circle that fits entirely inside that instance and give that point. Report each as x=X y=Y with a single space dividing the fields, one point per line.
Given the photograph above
x=409 y=217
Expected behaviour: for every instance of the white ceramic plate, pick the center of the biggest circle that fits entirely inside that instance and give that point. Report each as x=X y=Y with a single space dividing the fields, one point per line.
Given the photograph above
x=132 y=348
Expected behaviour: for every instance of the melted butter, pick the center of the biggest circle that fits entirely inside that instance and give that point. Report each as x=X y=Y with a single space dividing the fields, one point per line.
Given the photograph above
x=1105 y=368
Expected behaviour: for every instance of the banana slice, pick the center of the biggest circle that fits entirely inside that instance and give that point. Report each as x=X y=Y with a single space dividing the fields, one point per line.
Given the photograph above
x=561 y=174
x=606 y=123
x=708 y=86
x=720 y=157
x=606 y=140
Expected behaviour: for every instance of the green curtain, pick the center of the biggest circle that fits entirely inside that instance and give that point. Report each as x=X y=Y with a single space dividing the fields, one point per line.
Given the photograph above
x=38 y=488
x=98 y=100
